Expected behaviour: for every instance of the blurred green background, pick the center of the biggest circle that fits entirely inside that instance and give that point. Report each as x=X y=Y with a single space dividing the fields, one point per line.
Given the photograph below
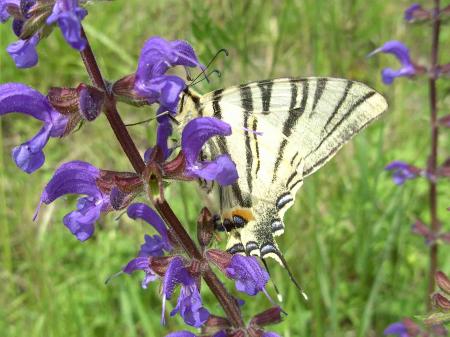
x=348 y=236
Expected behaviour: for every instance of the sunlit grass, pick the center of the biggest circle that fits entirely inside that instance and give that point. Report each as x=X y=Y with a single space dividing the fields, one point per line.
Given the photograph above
x=348 y=237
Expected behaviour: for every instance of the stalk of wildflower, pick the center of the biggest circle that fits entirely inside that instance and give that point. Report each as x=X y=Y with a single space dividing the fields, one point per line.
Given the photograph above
x=227 y=302
x=403 y=171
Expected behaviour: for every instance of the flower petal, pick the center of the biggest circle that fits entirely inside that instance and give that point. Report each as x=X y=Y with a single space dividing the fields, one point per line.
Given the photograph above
x=222 y=169
x=248 y=274
x=164 y=89
x=176 y=273
x=29 y=156
x=17 y=97
x=270 y=334
x=4 y=4
x=396 y=328
x=190 y=306
x=69 y=15
x=24 y=53
x=144 y=212
x=162 y=136
x=75 y=177
x=81 y=221
x=197 y=132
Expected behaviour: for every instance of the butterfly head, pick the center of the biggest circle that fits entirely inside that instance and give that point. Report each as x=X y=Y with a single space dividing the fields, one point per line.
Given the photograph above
x=188 y=107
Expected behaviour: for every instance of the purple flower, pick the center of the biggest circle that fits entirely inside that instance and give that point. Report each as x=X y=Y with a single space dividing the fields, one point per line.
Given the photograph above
x=402 y=171
x=154 y=245
x=270 y=334
x=78 y=177
x=157 y=56
x=409 y=12
x=16 y=97
x=68 y=15
x=248 y=274
x=4 y=5
x=141 y=263
x=195 y=134
x=397 y=328
x=162 y=137
x=401 y=52
x=23 y=52
x=164 y=89
x=190 y=306
x=189 y=302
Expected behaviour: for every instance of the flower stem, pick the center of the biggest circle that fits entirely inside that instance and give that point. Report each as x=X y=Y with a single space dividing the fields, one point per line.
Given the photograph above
x=432 y=162
x=227 y=302
x=111 y=112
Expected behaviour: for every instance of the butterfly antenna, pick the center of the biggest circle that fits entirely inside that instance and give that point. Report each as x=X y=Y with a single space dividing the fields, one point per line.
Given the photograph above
x=285 y=265
x=279 y=296
x=203 y=72
x=206 y=77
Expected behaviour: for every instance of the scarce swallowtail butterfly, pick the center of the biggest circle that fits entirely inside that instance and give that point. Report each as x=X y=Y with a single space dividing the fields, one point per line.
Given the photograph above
x=283 y=131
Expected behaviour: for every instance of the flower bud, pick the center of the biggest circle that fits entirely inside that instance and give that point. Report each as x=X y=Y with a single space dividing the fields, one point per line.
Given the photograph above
x=91 y=101
x=441 y=302
x=124 y=91
x=442 y=281
x=220 y=258
x=269 y=316
x=205 y=227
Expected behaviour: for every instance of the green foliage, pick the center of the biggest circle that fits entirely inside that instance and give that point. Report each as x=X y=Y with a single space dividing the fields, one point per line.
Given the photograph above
x=348 y=237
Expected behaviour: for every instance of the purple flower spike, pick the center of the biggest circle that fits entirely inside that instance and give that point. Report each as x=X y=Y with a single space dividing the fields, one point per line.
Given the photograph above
x=141 y=263
x=158 y=55
x=68 y=15
x=190 y=306
x=16 y=97
x=248 y=274
x=398 y=329
x=402 y=171
x=78 y=177
x=24 y=53
x=154 y=245
x=401 y=52
x=195 y=134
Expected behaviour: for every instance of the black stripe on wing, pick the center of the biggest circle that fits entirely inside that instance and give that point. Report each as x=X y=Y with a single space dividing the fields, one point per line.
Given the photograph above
x=247 y=105
x=222 y=143
x=266 y=95
x=320 y=87
x=291 y=121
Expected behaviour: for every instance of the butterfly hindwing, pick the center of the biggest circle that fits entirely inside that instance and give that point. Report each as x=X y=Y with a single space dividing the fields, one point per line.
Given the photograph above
x=283 y=131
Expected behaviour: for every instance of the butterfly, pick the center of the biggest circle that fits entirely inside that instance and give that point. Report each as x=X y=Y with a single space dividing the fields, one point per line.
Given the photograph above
x=283 y=131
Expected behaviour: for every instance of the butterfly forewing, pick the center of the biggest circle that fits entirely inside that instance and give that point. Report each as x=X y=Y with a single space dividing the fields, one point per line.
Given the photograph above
x=283 y=130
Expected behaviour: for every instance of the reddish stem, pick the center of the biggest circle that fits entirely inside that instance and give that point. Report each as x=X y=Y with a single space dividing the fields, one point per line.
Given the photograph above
x=227 y=302
x=432 y=162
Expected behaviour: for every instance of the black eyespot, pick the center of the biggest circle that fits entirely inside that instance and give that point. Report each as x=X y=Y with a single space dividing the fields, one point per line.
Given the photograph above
x=283 y=200
x=276 y=226
x=237 y=248
x=239 y=221
x=250 y=246
x=267 y=248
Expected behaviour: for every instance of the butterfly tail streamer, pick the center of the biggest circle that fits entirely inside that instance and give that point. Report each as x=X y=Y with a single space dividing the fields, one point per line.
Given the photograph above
x=279 y=295
x=291 y=276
